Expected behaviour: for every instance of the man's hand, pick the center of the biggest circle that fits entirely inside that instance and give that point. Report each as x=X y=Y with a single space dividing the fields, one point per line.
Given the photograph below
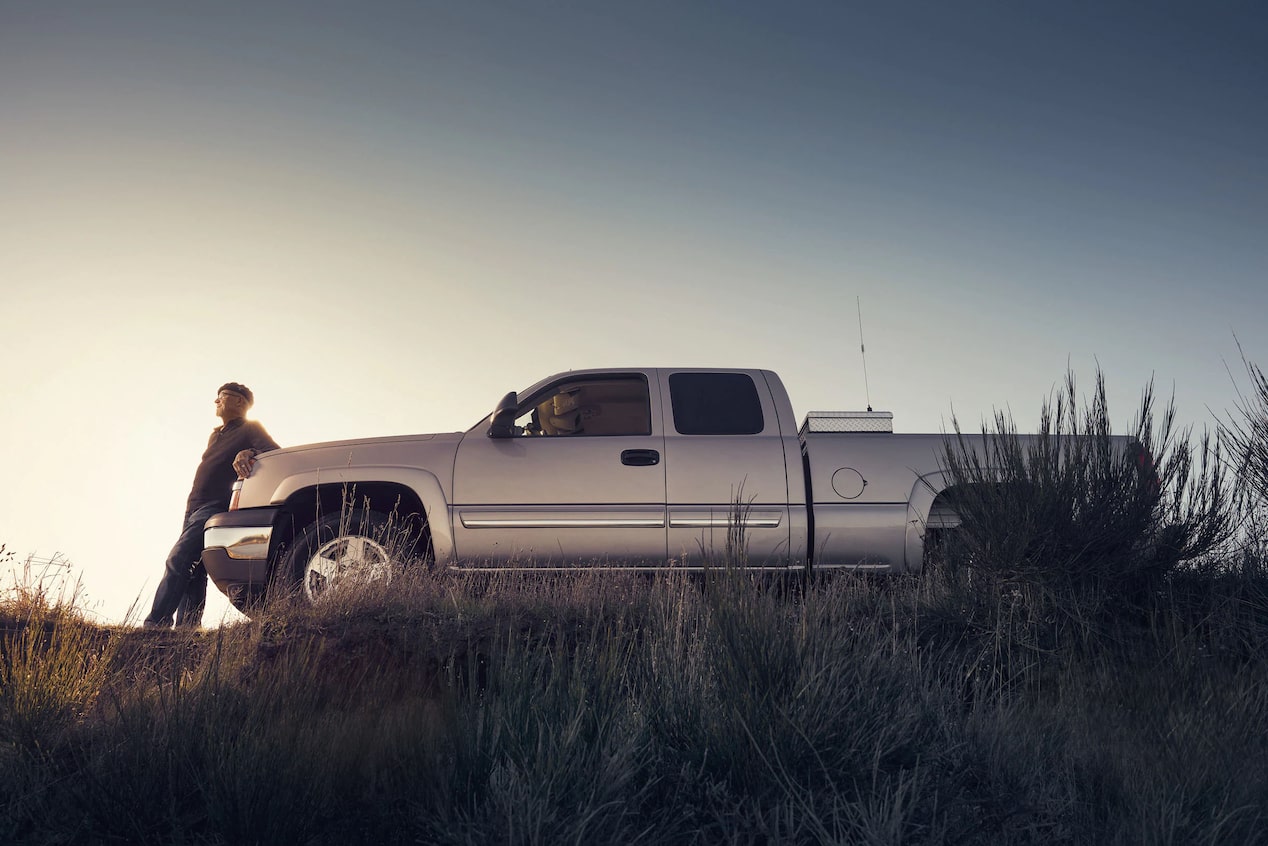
x=243 y=462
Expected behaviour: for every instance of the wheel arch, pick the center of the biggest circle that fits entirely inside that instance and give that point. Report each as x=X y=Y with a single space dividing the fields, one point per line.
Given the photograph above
x=919 y=504
x=306 y=497
x=930 y=491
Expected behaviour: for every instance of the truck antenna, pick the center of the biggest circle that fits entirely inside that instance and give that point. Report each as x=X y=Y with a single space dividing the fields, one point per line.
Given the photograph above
x=867 y=391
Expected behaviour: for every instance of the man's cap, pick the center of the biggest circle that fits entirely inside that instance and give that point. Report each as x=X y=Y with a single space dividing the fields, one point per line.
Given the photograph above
x=239 y=389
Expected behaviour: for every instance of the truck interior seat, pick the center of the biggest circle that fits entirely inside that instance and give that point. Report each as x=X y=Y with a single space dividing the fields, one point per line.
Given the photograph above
x=564 y=416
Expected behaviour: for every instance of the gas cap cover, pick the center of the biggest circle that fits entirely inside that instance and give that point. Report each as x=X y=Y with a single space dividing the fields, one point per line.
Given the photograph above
x=848 y=483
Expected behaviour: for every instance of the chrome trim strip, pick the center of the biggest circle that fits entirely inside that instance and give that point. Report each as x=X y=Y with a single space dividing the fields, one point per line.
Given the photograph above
x=240 y=542
x=624 y=568
x=853 y=567
x=761 y=520
x=562 y=522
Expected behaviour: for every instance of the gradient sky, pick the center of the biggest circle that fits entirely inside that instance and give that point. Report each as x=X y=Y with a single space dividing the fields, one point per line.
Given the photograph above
x=383 y=216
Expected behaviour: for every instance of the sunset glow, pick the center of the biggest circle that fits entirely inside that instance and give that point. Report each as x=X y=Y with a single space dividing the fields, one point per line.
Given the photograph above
x=384 y=217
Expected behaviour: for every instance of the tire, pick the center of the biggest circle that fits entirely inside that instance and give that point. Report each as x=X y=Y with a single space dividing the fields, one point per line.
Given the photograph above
x=344 y=550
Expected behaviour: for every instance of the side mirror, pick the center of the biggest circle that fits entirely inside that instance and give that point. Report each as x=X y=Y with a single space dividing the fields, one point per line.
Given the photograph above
x=502 y=420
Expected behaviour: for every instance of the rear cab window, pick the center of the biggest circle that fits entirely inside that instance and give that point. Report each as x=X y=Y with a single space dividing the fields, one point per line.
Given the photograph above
x=715 y=404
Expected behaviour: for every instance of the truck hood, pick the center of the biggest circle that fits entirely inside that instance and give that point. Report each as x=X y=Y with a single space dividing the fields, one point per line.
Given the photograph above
x=354 y=443
x=280 y=472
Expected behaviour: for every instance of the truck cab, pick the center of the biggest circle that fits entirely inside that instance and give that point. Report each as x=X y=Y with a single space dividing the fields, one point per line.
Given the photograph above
x=632 y=468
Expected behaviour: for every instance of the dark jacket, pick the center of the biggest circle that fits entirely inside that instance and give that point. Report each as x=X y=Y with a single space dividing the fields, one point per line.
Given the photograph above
x=213 y=481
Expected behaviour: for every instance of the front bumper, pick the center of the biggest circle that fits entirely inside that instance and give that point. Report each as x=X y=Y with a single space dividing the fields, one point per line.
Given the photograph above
x=236 y=550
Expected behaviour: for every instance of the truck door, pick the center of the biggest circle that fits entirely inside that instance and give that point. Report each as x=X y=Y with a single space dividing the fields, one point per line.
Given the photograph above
x=726 y=480
x=584 y=483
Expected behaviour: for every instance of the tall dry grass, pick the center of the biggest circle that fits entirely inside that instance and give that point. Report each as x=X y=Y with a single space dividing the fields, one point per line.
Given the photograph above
x=607 y=707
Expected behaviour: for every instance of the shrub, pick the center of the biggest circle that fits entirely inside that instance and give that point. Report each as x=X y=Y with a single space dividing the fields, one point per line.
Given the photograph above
x=1074 y=509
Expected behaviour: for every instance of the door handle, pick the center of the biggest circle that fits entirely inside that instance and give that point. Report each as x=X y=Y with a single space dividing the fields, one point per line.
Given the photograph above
x=640 y=457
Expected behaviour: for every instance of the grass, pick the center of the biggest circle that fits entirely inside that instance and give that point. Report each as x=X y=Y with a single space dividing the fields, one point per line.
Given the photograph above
x=609 y=707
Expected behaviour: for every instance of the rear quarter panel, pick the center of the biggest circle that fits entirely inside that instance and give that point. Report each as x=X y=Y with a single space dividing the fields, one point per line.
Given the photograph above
x=863 y=519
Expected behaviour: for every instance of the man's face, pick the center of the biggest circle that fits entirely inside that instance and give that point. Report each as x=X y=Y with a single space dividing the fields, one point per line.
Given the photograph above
x=229 y=405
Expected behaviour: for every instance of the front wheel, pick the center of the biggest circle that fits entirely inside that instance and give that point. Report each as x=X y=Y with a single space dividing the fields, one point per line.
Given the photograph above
x=343 y=550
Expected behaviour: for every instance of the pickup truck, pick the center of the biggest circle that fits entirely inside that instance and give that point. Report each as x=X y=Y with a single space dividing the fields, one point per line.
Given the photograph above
x=643 y=468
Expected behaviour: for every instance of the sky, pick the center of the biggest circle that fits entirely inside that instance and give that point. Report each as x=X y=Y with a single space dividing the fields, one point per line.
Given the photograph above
x=382 y=216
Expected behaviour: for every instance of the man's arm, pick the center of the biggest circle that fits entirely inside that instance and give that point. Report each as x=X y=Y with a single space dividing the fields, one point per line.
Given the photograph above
x=260 y=441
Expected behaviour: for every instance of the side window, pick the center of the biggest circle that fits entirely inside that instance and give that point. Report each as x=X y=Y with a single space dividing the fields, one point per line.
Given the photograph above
x=613 y=406
x=715 y=404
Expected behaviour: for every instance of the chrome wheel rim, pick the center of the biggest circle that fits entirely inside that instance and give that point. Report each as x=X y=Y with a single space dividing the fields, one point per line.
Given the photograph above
x=344 y=561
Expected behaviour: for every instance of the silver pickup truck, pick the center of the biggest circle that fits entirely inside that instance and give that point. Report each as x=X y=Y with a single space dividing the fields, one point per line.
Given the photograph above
x=646 y=468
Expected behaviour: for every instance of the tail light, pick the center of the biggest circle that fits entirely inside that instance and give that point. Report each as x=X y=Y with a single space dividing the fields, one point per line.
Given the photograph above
x=237 y=493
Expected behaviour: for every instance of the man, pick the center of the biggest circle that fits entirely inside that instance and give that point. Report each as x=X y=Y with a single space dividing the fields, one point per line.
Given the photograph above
x=231 y=451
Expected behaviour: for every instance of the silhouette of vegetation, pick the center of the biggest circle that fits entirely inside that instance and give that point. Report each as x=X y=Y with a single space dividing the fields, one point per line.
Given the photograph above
x=1076 y=523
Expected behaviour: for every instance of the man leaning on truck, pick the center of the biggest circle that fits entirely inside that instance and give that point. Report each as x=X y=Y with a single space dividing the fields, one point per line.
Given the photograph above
x=230 y=453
